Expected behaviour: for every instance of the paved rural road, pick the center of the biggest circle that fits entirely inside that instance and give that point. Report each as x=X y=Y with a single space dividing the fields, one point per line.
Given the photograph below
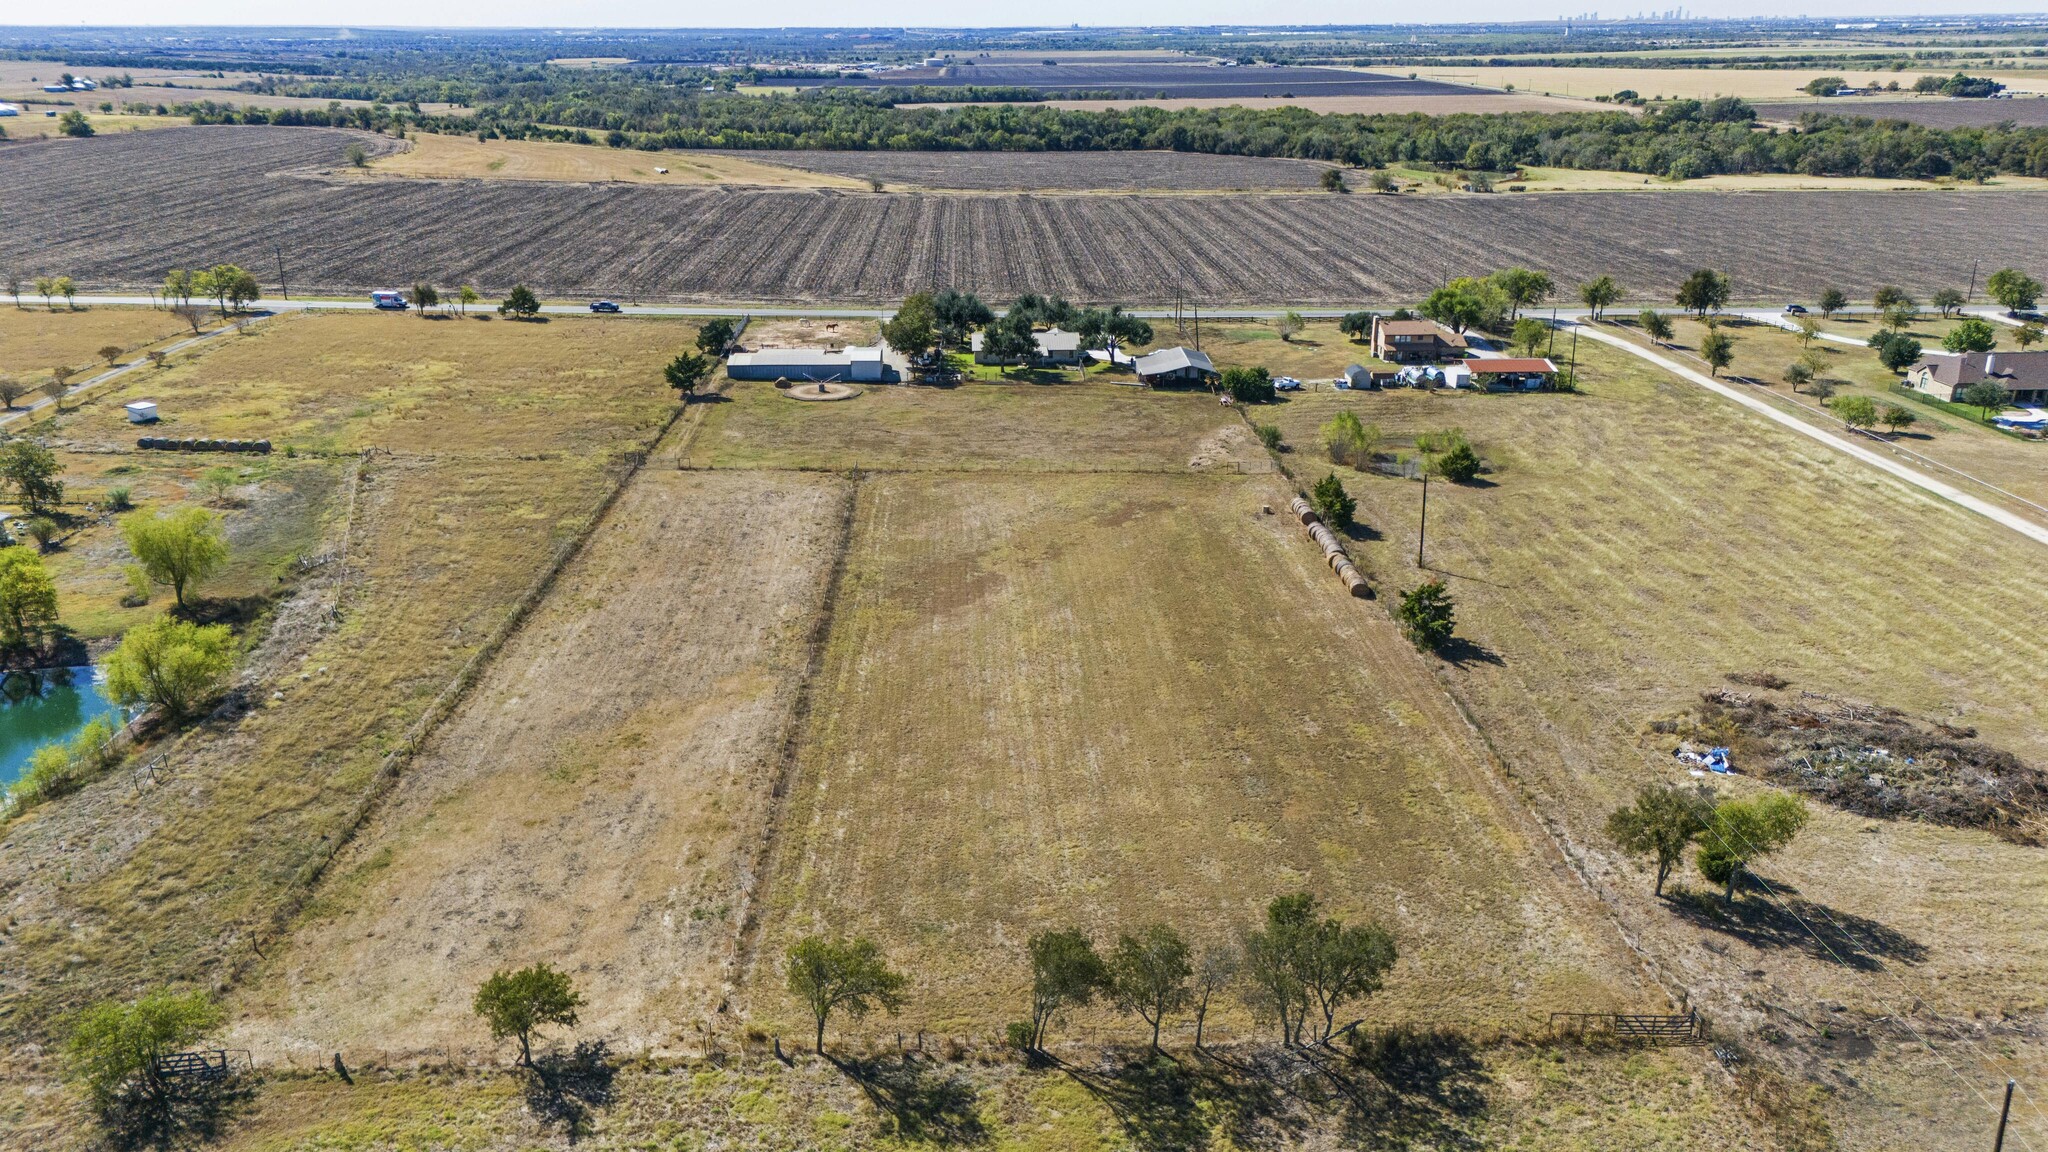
x=1913 y=476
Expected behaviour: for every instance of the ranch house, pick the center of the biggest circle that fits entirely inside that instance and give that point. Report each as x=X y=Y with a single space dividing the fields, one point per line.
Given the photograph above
x=875 y=365
x=1414 y=341
x=1944 y=375
x=1055 y=349
x=1175 y=366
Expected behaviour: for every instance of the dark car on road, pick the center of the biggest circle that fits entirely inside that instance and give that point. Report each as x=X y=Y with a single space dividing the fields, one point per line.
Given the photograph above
x=1795 y=309
x=603 y=306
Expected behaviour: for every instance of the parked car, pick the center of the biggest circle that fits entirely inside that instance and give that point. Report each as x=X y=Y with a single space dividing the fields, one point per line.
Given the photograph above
x=1795 y=309
x=603 y=306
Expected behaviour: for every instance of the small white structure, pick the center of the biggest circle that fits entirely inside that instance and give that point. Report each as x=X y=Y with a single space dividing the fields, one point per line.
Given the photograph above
x=141 y=411
x=10 y=109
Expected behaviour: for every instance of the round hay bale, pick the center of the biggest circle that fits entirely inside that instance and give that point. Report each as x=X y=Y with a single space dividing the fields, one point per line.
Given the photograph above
x=782 y=381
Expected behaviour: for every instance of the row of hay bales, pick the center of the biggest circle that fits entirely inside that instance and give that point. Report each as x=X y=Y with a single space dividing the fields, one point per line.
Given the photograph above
x=172 y=444
x=1333 y=552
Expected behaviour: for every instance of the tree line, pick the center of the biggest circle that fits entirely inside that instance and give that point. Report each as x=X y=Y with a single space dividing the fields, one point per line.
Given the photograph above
x=1681 y=139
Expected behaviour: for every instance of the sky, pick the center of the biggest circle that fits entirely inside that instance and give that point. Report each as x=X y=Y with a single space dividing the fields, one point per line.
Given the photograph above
x=924 y=13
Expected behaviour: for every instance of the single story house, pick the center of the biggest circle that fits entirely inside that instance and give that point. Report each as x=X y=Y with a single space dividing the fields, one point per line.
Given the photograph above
x=1944 y=375
x=1175 y=365
x=871 y=365
x=1054 y=347
x=1414 y=341
x=1512 y=373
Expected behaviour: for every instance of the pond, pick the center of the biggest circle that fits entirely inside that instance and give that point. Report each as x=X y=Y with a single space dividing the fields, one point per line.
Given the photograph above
x=45 y=706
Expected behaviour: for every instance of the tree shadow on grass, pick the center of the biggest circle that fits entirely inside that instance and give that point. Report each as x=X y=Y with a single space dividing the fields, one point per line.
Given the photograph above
x=926 y=1103
x=192 y=1116
x=1165 y=1103
x=1460 y=651
x=1794 y=923
x=565 y=1089
x=1415 y=1087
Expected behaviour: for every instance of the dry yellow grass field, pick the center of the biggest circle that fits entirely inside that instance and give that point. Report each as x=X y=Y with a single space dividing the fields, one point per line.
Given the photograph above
x=1636 y=543
x=1695 y=83
x=428 y=551
x=33 y=125
x=466 y=158
x=1110 y=701
x=596 y=803
x=1016 y=426
x=35 y=339
x=406 y=384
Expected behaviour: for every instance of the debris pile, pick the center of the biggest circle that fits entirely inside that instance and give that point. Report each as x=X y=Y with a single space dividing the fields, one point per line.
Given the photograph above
x=1875 y=761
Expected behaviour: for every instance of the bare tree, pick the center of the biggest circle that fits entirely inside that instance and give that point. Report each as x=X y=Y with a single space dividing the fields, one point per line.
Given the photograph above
x=1213 y=972
x=190 y=313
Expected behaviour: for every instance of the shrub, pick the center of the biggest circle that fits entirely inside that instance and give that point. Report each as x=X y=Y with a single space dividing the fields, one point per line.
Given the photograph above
x=139 y=586
x=1427 y=616
x=1269 y=435
x=42 y=530
x=1350 y=441
x=120 y=499
x=1332 y=502
x=1249 y=385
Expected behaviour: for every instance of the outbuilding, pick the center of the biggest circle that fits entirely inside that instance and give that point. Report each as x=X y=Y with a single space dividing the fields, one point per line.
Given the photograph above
x=869 y=365
x=140 y=411
x=1512 y=374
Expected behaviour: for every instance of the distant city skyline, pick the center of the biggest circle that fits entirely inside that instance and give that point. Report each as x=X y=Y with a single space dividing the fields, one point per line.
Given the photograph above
x=542 y=14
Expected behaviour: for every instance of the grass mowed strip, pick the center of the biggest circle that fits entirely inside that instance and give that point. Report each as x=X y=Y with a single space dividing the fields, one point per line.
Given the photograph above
x=1641 y=541
x=1109 y=701
x=597 y=801
x=1000 y=427
x=467 y=158
x=34 y=339
x=347 y=381
x=1940 y=439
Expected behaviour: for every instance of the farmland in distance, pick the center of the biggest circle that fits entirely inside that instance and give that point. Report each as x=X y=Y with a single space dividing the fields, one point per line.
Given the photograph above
x=1056 y=171
x=1934 y=112
x=217 y=193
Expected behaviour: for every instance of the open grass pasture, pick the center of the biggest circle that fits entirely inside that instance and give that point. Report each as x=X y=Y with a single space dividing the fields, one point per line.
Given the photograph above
x=1949 y=441
x=1105 y=701
x=344 y=382
x=1758 y=84
x=1632 y=546
x=35 y=339
x=598 y=799
x=1084 y=427
x=426 y=556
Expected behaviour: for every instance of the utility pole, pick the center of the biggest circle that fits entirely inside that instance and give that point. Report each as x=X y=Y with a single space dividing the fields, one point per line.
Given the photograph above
x=1574 y=369
x=1972 y=293
x=282 y=287
x=1550 y=348
x=2003 y=1113
x=1423 y=533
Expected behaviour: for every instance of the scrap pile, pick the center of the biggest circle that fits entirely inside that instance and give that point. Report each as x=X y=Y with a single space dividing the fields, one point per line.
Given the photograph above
x=1333 y=552
x=1878 y=761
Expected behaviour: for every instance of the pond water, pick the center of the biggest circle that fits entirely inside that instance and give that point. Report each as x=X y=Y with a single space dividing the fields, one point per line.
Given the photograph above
x=44 y=706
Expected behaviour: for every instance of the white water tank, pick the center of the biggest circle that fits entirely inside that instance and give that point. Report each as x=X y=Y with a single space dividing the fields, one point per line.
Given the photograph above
x=141 y=411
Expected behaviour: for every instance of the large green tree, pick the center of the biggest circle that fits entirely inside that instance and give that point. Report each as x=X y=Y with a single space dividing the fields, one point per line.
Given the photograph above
x=113 y=1047
x=1984 y=396
x=28 y=598
x=913 y=330
x=1970 y=335
x=2014 y=289
x=1717 y=348
x=171 y=664
x=1661 y=823
x=180 y=549
x=1306 y=968
x=1745 y=831
x=518 y=1003
x=30 y=472
x=850 y=975
x=1599 y=294
x=1149 y=974
x=1066 y=973
x=1704 y=291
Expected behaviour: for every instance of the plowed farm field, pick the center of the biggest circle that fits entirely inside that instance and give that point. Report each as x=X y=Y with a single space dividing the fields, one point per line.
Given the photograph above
x=134 y=205
x=1056 y=171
